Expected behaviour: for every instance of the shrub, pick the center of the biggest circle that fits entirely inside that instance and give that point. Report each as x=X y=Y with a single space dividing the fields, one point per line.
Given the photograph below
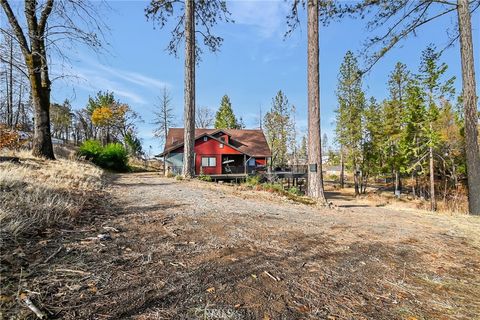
x=179 y=177
x=252 y=181
x=113 y=156
x=273 y=187
x=204 y=177
x=333 y=177
x=91 y=150
x=295 y=191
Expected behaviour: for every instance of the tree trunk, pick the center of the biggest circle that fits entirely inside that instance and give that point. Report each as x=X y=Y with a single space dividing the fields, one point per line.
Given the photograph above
x=470 y=107
x=342 y=170
x=189 y=112
x=42 y=139
x=10 y=92
x=315 y=178
x=395 y=173
x=433 y=201
x=414 y=193
x=355 y=182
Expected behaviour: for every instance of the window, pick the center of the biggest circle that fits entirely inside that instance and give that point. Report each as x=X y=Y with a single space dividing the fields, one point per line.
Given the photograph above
x=222 y=138
x=205 y=138
x=221 y=145
x=251 y=162
x=209 y=162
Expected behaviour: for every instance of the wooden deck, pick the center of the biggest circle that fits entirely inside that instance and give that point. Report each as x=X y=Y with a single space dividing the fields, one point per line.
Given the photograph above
x=229 y=176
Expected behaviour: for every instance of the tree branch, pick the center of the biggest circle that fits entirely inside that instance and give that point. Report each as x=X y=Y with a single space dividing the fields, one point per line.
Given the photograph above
x=44 y=16
x=16 y=26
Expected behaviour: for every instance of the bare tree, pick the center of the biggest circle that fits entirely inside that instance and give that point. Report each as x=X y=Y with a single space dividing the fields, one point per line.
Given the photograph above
x=48 y=23
x=164 y=117
x=14 y=107
x=205 y=14
x=204 y=117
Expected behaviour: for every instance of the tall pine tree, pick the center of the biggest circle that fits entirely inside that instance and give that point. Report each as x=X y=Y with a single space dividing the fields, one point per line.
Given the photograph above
x=431 y=74
x=393 y=110
x=351 y=104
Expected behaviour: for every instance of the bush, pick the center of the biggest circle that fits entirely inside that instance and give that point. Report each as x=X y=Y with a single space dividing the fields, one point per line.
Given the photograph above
x=295 y=191
x=91 y=150
x=204 y=177
x=179 y=177
x=273 y=187
x=333 y=177
x=252 y=181
x=113 y=156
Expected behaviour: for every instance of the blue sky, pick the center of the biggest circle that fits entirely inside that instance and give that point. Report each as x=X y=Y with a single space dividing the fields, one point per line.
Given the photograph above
x=255 y=62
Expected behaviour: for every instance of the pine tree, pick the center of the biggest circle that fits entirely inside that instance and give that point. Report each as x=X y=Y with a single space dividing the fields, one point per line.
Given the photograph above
x=351 y=104
x=277 y=126
x=393 y=112
x=436 y=89
x=302 y=151
x=225 y=118
x=412 y=140
x=372 y=141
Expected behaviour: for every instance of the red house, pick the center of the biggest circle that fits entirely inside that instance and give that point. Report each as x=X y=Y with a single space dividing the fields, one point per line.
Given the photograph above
x=219 y=152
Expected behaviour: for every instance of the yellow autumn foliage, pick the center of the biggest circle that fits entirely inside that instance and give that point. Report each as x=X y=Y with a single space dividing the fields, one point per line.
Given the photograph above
x=108 y=115
x=102 y=116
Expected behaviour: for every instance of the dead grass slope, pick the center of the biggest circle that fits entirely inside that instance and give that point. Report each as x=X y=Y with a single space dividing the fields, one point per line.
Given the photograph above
x=37 y=193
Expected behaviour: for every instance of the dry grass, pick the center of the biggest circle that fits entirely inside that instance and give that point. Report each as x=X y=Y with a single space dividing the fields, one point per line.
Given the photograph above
x=38 y=193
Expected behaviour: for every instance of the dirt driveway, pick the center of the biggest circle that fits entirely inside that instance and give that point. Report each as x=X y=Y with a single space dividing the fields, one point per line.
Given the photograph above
x=195 y=250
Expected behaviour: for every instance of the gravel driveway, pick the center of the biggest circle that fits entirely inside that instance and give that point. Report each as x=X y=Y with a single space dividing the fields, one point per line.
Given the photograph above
x=219 y=252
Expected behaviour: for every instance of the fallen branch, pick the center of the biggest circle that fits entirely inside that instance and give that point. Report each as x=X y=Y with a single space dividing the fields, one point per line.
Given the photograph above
x=53 y=254
x=73 y=271
x=268 y=274
x=32 y=307
x=111 y=229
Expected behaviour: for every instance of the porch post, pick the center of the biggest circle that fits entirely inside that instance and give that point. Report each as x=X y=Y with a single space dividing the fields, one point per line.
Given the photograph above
x=165 y=157
x=245 y=163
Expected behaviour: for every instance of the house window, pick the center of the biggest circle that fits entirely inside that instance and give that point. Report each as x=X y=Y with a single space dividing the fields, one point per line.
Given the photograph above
x=222 y=138
x=209 y=162
x=251 y=162
x=205 y=138
x=221 y=145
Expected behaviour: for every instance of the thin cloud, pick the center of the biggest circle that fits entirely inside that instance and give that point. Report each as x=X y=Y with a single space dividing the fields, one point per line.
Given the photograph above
x=94 y=76
x=92 y=80
x=267 y=17
x=135 y=77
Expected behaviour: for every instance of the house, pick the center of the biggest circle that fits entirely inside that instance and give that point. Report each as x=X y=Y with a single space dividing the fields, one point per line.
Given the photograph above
x=332 y=170
x=219 y=152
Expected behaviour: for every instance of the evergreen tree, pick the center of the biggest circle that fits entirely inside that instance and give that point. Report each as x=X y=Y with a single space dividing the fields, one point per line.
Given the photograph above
x=351 y=104
x=277 y=124
x=372 y=141
x=302 y=151
x=225 y=118
x=412 y=144
x=393 y=110
x=430 y=77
